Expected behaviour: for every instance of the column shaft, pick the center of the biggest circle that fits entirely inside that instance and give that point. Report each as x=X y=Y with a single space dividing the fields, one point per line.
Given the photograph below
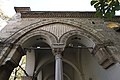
x=58 y=67
x=30 y=62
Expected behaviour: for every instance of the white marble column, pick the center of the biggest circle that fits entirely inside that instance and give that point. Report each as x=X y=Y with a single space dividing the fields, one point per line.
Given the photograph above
x=30 y=62
x=58 y=67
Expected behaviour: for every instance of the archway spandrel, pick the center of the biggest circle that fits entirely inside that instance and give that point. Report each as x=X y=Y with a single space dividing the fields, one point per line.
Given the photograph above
x=58 y=29
x=73 y=23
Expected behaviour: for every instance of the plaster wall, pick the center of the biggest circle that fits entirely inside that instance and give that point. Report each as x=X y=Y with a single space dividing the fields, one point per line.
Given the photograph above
x=93 y=71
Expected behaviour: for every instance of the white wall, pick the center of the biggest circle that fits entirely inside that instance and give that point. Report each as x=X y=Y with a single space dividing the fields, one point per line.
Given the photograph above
x=93 y=70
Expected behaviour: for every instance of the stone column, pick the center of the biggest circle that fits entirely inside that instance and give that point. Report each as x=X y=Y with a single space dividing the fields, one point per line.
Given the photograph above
x=58 y=67
x=30 y=62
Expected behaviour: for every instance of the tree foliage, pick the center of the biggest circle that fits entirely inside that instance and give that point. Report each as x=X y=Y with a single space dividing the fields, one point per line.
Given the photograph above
x=18 y=72
x=106 y=8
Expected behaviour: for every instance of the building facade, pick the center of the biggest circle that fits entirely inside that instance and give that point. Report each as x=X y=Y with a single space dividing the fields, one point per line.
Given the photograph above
x=60 y=46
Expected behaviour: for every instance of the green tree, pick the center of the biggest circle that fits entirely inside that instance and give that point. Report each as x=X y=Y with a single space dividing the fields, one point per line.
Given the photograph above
x=106 y=8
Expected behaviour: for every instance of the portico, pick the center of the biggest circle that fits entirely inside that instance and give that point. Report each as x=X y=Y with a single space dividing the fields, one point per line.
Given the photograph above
x=59 y=46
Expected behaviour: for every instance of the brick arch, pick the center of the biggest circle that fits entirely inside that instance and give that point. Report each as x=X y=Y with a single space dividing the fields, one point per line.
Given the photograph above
x=50 y=38
x=81 y=29
x=92 y=38
x=18 y=34
x=100 y=50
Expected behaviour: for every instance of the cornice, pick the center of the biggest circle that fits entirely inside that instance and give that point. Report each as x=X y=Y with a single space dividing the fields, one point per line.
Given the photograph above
x=57 y=14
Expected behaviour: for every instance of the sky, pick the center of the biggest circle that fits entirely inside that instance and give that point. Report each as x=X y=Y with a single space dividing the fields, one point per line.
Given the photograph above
x=7 y=6
x=46 y=5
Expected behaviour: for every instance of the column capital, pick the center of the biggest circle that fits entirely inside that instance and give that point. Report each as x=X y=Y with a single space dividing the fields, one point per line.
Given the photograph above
x=57 y=51
x=58 y=48
x=58 y=56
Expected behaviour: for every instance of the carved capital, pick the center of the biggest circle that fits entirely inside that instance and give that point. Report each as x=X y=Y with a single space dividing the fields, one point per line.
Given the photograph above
x=58 y=56
x=58 y=48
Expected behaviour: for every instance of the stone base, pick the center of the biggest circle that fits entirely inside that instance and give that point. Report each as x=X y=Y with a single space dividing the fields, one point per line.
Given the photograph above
x=26 y=78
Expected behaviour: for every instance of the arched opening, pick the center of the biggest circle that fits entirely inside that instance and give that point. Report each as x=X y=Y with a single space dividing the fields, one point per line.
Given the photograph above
x=78 y=63
x=70 y=71
x=78 y=51
x=47 y=70
x=38 y=51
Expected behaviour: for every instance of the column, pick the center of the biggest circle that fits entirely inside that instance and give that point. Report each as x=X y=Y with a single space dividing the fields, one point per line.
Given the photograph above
x=58 y=67
x=30 y=62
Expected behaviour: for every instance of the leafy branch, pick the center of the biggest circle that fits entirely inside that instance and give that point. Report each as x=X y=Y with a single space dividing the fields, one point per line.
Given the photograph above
x=106 y=8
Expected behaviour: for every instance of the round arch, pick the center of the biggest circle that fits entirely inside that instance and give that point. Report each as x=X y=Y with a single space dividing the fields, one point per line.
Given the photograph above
x=46 y=62
x=32 y=30
x=91 y=42
x=22 y=32
x=46 y=36
x=86 y=39
x=74 y=67
x=52 y=76
x=66 y=76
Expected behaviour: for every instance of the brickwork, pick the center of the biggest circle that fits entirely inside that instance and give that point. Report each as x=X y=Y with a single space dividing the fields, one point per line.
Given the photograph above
x=22 y=23
x=57 y=28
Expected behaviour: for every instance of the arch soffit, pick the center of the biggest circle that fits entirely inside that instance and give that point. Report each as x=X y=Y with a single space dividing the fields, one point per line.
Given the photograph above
x=51 y=76
x=22 y=32
x=48 y=77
